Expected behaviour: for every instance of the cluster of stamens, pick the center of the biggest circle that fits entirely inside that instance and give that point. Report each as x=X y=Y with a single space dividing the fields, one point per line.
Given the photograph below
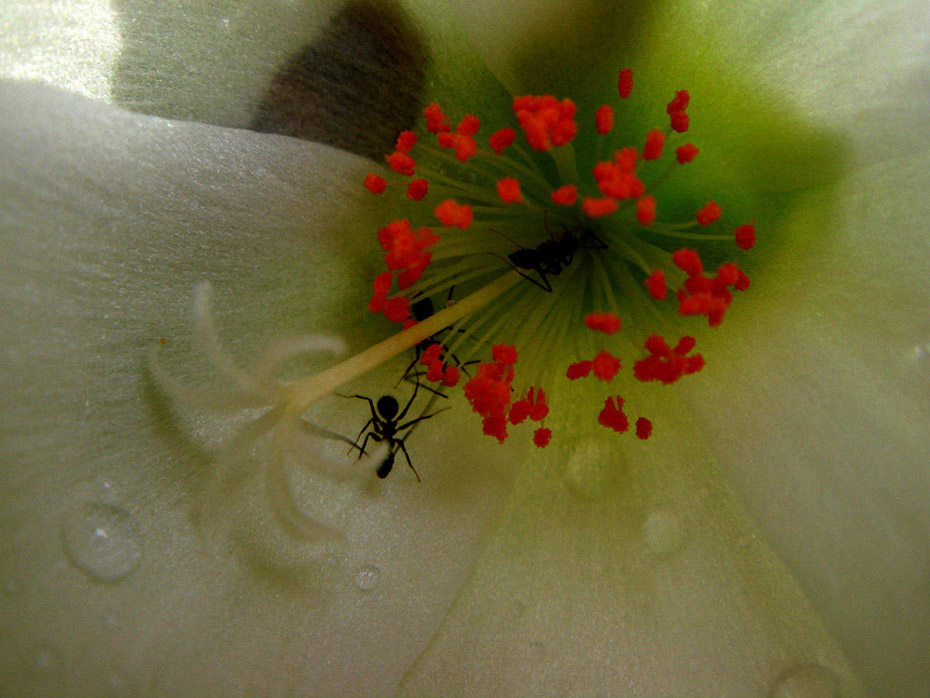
x=617 y=212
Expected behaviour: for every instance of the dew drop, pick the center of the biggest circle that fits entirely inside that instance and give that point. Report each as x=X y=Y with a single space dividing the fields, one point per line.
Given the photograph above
x=663 y=532
x=585 y=471
x=805 y=681
x=101 y=540
x=45 y=659
x=367 y=577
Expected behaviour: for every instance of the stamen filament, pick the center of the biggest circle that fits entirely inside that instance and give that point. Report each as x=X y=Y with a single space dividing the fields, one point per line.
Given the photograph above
x=303 y=393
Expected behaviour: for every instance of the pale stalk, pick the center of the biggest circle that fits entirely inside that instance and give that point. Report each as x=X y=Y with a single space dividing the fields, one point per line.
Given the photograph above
x=303 y=393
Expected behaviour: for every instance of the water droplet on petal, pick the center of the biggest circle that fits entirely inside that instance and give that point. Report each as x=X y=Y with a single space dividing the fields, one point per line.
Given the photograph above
x=367 y=577
x=805 y=681
x=585 y=472
x=45 y=659
x=101 y=540
x=663 y=532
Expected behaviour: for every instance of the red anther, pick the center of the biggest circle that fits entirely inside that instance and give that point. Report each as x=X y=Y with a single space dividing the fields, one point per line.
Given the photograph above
x=605 y=366
x=508 y=189
x=436 y=121
x=546 y=122
x=502 y=139
x=745 y=236
x=655 y=139
x=468 y=126
x=434 y=372
x=680 y=121
x=505 y=354
x=606 y=322
x=451 y=213
x=540 y=409
x=374 y=183
x=709 y=213
x=383 y=283
x=625 y=158
x=599 y=207
x=408 y=323
x=618 y=180
x=625 y=82
x=581 y=369
x=604 y=119
x=665 y=364
x=519 y=411
x=397 y=309
x=446 y=139
x=643 y=428
x=679 y=103
x=377 y=302
x=565 y=195
x=495 y=425
x=742 y=281
x=405 y=142
x=646 y=210
x=432 y=353
x=450 y=377
x=417 y=189
x=401 y=163
x=465 y=148
x=686 y=153
x=655 y=284
x=688 y=261
x=542 y=437
x=612 y=416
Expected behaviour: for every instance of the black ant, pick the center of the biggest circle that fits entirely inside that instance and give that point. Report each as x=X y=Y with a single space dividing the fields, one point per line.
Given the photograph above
x=385 y=427
x=421 y=309
x=552 y=255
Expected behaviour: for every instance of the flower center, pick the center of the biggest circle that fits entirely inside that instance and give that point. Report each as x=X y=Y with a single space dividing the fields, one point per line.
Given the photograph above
x=571 y=242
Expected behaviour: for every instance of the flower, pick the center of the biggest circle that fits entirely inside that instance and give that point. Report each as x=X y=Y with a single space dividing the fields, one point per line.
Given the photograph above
x=611 y=564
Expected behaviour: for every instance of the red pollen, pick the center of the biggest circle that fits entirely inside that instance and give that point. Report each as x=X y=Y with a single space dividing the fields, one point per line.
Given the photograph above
x=643 y=428
x=436 y=121
x=432 y=353
x=680 y=121
x=655 y=139
x=581 y=369
x=665 y=364
x=546 y=122
x=604 y=119
x=468 y=126
x=542 y=437
x=655 y=284
x=745 y=236
x=608 y=323
x=505 y=354
x=686 y=153
x=508 y=189
x=397 y=309
x=401 y=163
x=605 y=366
x=646 y=210
x=383 y=283
x=374 y=183
x=679 y=103
x=612 y=416
x=405 y=142
x=450 y=377
x=688 y=261
x=565 y=195
x=625 y=82
x=502 y=139
x=599 y=207
x=709 y=214
x=417 y=189
x=451 y=213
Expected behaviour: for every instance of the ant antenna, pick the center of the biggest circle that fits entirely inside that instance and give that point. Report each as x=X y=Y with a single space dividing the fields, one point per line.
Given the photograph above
x=495 y=230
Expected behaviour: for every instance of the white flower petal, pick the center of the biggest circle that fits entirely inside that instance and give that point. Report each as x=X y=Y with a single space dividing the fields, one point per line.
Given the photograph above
x=628 y=568
x=112 y=579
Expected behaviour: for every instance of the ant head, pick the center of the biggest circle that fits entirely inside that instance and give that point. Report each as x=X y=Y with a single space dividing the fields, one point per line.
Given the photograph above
x=422 y=308
x=387 y=407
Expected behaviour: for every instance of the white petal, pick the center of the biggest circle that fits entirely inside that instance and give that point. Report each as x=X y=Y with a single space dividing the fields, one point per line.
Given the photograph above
x=191 y=60
x=628 y=568
x=108 y=219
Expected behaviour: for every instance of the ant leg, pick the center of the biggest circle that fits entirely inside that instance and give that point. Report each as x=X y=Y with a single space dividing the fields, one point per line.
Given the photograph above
x=405 y=425
x=320 y=431
x=416 y=387
x=362 y=449
x=547 y=288
x=434 y=391
x=400 y=442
